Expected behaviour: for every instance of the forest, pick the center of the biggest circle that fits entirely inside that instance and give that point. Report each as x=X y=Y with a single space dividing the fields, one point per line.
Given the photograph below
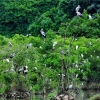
x=46 y=45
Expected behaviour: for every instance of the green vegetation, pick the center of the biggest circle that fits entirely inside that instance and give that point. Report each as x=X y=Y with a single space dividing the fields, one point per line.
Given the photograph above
x=95 y=97
x=71 y=41
x=28 y=16
x=44 y=61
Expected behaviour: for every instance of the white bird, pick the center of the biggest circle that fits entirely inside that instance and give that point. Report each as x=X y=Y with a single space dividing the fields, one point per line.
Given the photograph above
x=90 y=43
x=10 y=44
x=82 y=55
x=29 y=45
x=90 y=17
x=97 y=56
x=28 y=35
x=25 y=67
x=76 y=66
x=82 y=70
x=76 y=47
x=35 y=68
x=43 y=33
x=63 y=74
x=7 y=60
x=76 y=75
x=20 y=70
x=77 y=8
x=77 y=11
x=40 y=47
x=58 y=74
x=75 y=39
x=54 y=44
x=25 y=71
x=78 y=14
x=70 y=86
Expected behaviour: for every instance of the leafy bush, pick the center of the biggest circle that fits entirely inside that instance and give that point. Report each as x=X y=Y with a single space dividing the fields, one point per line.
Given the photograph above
x=95 y=97
x=82 y=26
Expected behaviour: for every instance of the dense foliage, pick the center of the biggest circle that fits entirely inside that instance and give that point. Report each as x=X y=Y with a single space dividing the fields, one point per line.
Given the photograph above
x=71 y=41
x=44 y=60
x=28 y=16
x=95 y=97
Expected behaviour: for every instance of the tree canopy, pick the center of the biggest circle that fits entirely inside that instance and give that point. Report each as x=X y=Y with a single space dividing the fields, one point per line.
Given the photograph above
x=28 y=16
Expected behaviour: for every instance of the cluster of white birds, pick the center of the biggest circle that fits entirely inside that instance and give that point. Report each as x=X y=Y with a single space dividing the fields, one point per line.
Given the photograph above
x=61 y=75
x=23 y=69
x=7 y=60
x=79 y=13
x=28 y=35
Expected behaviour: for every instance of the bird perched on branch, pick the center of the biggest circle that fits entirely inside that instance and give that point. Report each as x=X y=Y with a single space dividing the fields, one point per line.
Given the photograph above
x=78 y=14
x=77 y=8
x=25 y=70
x=43 y=33
x=28 y=35
x=10 y=44
x=77 y=11
x=29 y=45
x=20 y=70
x=12 y=55
x=90 y=17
